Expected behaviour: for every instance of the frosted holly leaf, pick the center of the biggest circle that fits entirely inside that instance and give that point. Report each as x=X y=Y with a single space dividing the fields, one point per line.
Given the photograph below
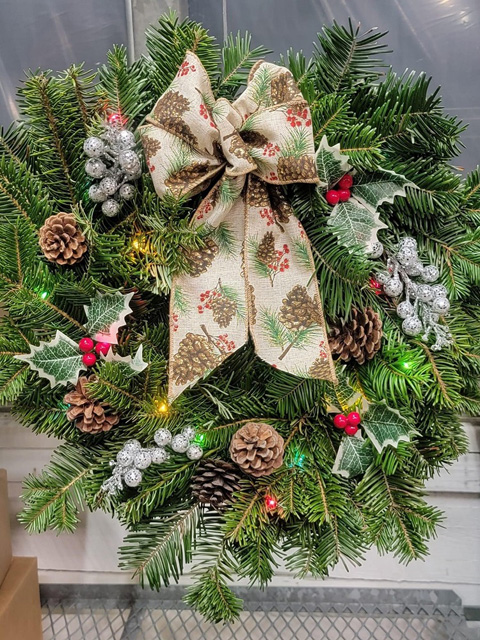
x=355 y=224
x=331 y=164
x=59 y=361
x=385 y=426
x=135 y=364
x=106 y=314
x=354 y=456
x=342 y=396
x=373 y=189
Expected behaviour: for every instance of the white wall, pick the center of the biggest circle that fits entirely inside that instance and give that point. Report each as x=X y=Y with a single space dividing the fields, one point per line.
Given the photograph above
x=90 y=555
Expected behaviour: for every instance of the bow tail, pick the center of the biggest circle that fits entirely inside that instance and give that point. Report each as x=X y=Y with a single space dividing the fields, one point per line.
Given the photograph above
x=286 y=318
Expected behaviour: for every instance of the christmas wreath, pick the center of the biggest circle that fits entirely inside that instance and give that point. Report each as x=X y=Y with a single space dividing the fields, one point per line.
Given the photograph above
x=198 y=304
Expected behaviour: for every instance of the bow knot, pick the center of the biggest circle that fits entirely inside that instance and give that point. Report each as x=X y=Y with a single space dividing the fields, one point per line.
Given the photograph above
x=255 y=273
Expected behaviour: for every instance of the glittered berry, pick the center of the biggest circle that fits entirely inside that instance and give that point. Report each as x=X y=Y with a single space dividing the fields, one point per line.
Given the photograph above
x=345 y=182
x=102 y=347
x=332 y=197
x=351 y=429
x=343 y=194
x=340 y=421
x=85 y=345
x=354 y=418
x=89 y=359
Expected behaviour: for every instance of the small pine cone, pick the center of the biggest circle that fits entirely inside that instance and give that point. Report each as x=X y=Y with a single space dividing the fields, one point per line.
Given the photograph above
x=91 y=416
x=195 y=356
x=257 y=449
x=171 y=105
x=61 y=239
x=360 y=338
x=215 y=482
x=200 y=260
x=301 y=169
x=254 y=138
x=184 y=180
x=282 y=209
x=284 y=88
x=266 y=252
x=151 y=146
x=257 y=194
x=320 y=369
x=298 y=310
x=224 y=311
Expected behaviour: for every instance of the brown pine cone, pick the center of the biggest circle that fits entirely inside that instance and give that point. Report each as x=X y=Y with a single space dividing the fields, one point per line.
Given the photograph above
x=298 y=310
x=215 y=482
x=200 y=260
x=195 y=356
x=360 y=338
x=223 y=310
x=266 y=252
x=61 y=240
x=257 y=449
x=257 y=194
x=91 y=416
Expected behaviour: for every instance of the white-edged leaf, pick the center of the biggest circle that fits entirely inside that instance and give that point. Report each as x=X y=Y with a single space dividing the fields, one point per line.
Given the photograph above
x=331 y=163
x=385 y=426
x=355 y=224
x=372 y=189
x=59 y=361
x=354 y=456
x=106 y=314
x=135 y=364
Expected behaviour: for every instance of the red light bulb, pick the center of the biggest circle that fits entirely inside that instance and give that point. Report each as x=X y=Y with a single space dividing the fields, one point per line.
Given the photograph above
x=271 y=502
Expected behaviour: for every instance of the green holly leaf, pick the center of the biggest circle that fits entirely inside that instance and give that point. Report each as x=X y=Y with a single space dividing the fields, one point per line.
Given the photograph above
x=372 y=189
x=59 y=361
x=355 y=224
x=132 y=365
x=331 y=164
x=385 y=426
x=106 y=314
x=342 y=397
x=354 y=456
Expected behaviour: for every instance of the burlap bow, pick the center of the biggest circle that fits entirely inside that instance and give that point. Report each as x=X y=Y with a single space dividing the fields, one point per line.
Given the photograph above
x=255 y=272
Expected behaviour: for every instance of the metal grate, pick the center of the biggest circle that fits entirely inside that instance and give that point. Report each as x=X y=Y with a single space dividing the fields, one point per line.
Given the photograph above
x=116 y=612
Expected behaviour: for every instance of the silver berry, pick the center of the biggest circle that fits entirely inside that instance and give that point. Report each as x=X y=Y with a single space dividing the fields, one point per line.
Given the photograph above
x=94 y=147
x=180 y=443
x=96 y=194
x=376 y=251
x=189 y=432
x=110 y=208
x=407 y=256
x=135 y=174
x=132 y=445
x=408 y=242
x=129 y=160
x=430 y=273
x=412 y=326
x=125 y=139
x=133 y=478
x=127 y=191
x=393 y=287
x=108 y=185
x=415 y=269
x=194 y=452
x=439 y=291
x=124 y=458
x=383 y=277
x=425 y=293
x=142 y=459
x=159 y=455
x=162 y=437
x=440 y=306
x=95 y=168
x=405 y=309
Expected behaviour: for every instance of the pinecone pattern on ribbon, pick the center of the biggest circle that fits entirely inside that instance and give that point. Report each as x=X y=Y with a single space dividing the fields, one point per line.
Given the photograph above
x=240 y=149
x=257 y=448
x=195 y=356
x=223 y=310
x=254 y=138
x=214 y=483
x=90 y=416
x=150 y=147
x=200 y=260
x=298 y=310
x=302 y=168
x=61 y=239
x=168 y=113
x=181 y=181
x=257 y=193
x=266 y=252
x=360 y=338
x=284 y=89
x=282 y=209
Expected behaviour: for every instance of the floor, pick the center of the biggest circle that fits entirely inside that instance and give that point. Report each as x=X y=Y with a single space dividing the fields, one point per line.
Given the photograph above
x=72 y=612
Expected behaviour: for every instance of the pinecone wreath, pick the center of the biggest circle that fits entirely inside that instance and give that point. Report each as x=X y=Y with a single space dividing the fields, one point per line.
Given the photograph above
x=194 y=357
x=61 y=239
x=200 y=260
x=298 y=310
x=215 y=482
x=257 y=449
x=91 y=416
x=266 y=252
x=360 y=338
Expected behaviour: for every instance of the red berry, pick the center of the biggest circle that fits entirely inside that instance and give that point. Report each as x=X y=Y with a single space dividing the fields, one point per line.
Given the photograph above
x=85 y=345
x=340 y=421
x=345 y=182
x=354 y=418
x=332 y=197
x=103 y=347
x=351 y=429
x=89 y=359
x=344 y=194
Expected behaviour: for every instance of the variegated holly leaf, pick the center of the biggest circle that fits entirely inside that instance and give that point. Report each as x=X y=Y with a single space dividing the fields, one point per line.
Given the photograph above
x=385 y=426
x=372 y=189
x=355 y=224
x=354 y=456
x=342 y=397
x=106 y=314
x=133 y=365
x=331 y=164
x=59 y=361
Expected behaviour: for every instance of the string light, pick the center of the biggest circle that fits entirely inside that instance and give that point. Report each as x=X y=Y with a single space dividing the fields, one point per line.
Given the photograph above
x=161 y=406
x=200 y=439
x=44 y=295
x=271 y=503
x=117 y=118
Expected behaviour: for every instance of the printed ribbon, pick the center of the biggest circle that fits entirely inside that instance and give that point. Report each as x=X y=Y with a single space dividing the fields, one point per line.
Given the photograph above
x=255 y=272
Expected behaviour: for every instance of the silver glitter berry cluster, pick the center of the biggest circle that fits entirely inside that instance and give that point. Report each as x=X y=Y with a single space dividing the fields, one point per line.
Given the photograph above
x=114 y=162
x=133 y=458
x=424 y=302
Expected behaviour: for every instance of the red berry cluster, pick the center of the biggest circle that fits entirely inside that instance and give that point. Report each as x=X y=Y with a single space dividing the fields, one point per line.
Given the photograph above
x=267 y=213
x=281 y=264
x=175 y=321
x=207 y=207
x=224 y=343
x=348 y=423
x=376 y=286
x=205 y=114
x=342 y=194
x=272 y=176
x=297 y=118
x=207 y=297
x=185 y=68
x=271 y=149
x=86 y=346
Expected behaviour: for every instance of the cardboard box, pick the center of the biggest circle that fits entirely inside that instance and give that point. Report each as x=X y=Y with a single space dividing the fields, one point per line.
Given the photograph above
x=5 y=539
x=20 y=613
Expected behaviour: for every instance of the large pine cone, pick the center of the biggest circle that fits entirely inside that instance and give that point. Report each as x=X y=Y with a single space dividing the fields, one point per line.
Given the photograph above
x=215 y=482
x=298 y=310
x=61 y=239
x=91 y=416
x=257 y=449
x=266 y=252
x=195 y=356
x=200 y=260
x=360 y=338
